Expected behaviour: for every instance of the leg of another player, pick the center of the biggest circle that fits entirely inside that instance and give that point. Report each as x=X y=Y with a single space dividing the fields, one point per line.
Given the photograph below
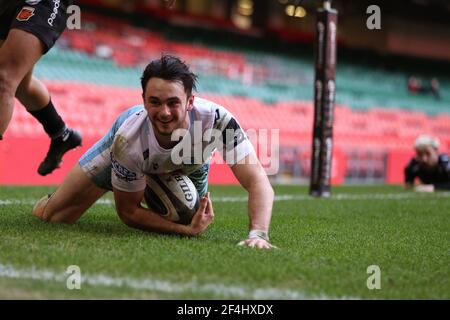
x=76 y=195
x=32 y=93
x=18 y=54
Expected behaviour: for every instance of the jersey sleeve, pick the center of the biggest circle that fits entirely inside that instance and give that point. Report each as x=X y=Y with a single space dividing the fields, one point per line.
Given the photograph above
x=234 y=145
x=126 y=174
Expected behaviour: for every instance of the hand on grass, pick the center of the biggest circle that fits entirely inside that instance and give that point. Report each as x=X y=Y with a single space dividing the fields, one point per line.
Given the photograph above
x=424 y=188
x=257 y=243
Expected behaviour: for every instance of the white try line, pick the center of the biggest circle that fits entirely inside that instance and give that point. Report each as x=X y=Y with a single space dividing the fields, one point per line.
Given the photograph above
x=164 y=286
x=285 y=197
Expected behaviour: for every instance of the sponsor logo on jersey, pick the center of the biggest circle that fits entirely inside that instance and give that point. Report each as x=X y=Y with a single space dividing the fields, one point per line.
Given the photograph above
x=25 y=14
x=56 y=4
x=121 y=172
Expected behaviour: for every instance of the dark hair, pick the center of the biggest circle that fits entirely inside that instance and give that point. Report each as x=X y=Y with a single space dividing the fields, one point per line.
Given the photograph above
x=170 y=68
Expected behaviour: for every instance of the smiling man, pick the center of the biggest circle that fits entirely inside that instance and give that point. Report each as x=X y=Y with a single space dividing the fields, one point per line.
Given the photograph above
x=430 y=167
x=146 y=139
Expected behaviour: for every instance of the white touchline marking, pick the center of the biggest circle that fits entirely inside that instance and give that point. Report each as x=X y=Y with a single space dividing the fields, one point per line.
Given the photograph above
x=217 y=289
x=285 y=197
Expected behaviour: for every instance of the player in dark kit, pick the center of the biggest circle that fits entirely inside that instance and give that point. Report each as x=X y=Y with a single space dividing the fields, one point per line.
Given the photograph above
x=28 y=29
x=432 y=168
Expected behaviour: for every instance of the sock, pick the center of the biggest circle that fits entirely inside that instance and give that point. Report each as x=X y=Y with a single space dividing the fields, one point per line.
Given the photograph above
x=53 y=124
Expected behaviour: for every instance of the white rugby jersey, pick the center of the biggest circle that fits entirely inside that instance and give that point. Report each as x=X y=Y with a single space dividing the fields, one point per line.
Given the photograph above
x=135 y=152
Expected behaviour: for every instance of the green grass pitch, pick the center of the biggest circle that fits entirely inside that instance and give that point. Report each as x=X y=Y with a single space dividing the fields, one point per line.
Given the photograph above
x=325 y=248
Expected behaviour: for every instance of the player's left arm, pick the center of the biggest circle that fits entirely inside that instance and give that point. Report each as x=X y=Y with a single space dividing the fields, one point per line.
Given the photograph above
x=253 y=178
x=445 y=167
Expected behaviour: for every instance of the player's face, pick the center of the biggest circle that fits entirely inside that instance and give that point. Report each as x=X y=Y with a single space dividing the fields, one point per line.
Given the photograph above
x=167 y=105
x=427 y=156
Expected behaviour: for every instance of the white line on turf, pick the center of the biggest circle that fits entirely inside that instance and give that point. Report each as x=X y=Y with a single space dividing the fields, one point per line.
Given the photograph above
x=285 y=197
x=164 y=286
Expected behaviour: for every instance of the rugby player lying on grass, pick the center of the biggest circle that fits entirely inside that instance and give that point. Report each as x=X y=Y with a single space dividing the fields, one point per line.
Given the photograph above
x=141 y=142
x=430 y=167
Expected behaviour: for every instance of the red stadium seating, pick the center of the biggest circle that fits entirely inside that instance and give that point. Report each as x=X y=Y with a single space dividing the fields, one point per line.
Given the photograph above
x=131 y=46
x=93 y=109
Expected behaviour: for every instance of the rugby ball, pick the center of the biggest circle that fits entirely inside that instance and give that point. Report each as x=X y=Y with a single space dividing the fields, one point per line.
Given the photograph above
x=173 y=196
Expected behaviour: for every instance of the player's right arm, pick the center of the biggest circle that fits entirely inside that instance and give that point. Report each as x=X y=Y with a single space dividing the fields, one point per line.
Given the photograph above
x=410 y=174
x=128 y=182
x=130 y=211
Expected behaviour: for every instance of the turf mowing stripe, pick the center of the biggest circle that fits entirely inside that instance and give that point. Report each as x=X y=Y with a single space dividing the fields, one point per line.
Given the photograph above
x=286 y=197
x=217 y=289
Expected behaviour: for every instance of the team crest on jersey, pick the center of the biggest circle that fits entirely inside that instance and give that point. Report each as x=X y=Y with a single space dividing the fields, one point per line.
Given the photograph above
x=25 y=14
